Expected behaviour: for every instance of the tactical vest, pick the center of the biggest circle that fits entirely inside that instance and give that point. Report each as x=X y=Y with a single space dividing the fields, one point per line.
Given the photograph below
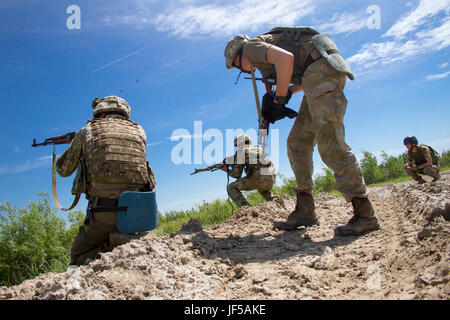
x=255 y=157
x=115 y=153
x=419 y=156
x=290 y=40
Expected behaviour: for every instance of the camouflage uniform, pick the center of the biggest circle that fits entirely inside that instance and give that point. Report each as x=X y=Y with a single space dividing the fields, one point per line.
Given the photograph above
x=418 y=158
x=260 y=174
x=320 y=118
x=114 y=156
x=321 y=71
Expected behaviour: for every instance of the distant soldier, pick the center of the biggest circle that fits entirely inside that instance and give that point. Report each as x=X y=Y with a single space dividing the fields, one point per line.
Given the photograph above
x=311 y=62
x=110 y=153
x=259 y=170
x=422 y=159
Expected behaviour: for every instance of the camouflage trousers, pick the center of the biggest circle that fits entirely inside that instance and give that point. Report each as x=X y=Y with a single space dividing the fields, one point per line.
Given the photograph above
x=320 y=121
x=93 y=236
x=262 y=183
x=432 y=171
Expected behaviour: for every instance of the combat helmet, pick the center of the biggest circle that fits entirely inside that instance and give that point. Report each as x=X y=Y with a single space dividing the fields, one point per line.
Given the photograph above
x=242 y=138
x=111 y=104
x=411 y=140
x=233 y=47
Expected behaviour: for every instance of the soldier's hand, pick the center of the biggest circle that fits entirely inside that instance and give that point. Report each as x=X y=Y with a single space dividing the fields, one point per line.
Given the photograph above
x=273 y=111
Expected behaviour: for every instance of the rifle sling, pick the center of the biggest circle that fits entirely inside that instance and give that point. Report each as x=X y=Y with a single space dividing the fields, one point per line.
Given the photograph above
x=255 y=91
x=55 y=194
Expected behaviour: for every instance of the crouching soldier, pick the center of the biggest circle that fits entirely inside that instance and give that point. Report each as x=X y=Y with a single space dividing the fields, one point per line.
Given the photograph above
x=422 y=159
x=110 y=153
x=259 y=170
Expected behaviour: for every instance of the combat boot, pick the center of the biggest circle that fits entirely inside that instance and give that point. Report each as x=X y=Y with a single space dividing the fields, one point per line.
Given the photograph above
x=421 y=180
x=436 y=177
x=363 y=220
x=303 y=215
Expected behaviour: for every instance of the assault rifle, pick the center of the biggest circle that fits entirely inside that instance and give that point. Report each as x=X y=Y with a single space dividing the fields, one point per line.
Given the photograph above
x=62 y=139
x=268 y=81
x=214 y=167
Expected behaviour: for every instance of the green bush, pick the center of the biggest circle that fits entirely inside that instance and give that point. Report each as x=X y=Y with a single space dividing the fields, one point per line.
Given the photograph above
x=325 y=183
x=371 y=171
x=34 y=240
x=444 y=158
x=392 y=167
x=208 y=213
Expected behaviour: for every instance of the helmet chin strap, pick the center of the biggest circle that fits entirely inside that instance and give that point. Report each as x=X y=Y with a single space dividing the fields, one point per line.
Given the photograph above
x=237 y=79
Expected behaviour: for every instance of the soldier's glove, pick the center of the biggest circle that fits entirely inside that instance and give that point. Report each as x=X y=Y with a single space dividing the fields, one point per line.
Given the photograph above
x=285 y=99
x=273 y=112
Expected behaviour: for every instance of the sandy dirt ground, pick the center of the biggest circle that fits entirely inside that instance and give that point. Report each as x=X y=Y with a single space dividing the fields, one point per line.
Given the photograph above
x=245 y=258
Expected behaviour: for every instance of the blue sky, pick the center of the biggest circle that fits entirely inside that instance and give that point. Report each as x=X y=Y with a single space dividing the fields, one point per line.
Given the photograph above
x=166 y=59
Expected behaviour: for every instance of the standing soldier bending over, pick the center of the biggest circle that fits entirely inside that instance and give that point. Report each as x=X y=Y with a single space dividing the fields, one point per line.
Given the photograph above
x=260 y=173
x=311 y=62
x=421 y=159
x=113 y=150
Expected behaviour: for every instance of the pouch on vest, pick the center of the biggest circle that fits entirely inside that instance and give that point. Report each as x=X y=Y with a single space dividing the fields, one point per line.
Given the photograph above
x=329 y=51
x=137 y=212
x=434 y=154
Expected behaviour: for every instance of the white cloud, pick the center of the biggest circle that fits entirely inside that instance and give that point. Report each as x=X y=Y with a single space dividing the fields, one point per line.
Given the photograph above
x=418 y=17
x=438 y=76
x=223 y=18
x=27 y=166
x=434 y=36
x=344 y=23
x=443 y=65
x=372 y=54
x=437 y=38
x=155 y=143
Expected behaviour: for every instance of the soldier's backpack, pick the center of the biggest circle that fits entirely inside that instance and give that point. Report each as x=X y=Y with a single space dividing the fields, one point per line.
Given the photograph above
x=290 y=40
x=434 y=154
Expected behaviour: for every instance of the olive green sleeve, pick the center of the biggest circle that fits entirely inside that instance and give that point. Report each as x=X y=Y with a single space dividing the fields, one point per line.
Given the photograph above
x=255 y=51
x=67 y=163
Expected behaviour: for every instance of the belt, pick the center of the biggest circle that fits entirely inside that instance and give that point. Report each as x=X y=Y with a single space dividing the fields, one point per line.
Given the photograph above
x=105 y=205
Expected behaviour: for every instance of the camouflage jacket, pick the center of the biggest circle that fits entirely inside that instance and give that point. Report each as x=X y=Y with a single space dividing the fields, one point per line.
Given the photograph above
x=252 y=160
x=423 y=151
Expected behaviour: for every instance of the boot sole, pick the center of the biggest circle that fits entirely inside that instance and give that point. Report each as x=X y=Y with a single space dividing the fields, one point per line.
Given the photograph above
x=292 y=228
x=338 y=232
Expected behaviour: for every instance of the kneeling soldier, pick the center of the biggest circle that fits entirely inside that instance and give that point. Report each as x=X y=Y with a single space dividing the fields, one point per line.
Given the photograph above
x=260 y=173
x=421 y=159
x=111 y=150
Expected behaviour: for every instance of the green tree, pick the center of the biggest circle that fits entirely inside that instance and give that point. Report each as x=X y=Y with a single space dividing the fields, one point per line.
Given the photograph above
x=444 y=158
x=371 y=171
x=326 y=183
x=34 y=240
x=392 y=167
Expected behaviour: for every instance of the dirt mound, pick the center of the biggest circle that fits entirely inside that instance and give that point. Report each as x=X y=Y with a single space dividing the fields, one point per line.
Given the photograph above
x=246 y=259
